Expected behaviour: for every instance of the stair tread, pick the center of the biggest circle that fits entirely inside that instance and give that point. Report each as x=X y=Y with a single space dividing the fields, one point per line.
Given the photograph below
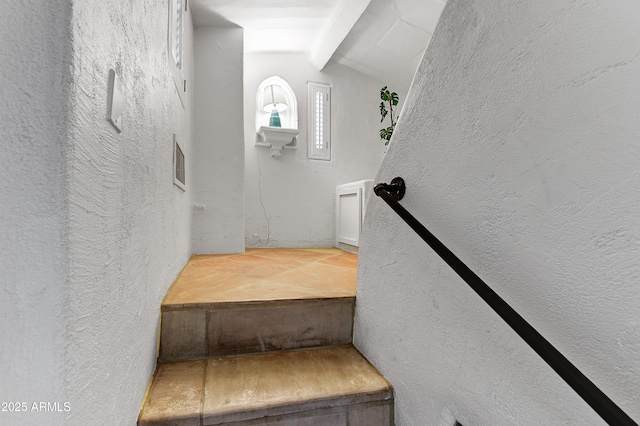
x=245 y=387
x=261 y=275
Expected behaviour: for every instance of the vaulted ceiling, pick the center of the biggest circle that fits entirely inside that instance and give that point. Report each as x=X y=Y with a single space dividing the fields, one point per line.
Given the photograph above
x=381 y=38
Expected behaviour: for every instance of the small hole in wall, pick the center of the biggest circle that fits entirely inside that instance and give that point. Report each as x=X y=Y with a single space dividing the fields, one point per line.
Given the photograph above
x=457 y=423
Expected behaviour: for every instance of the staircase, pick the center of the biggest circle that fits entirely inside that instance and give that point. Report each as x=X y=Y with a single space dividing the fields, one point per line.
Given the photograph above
x=264 y=338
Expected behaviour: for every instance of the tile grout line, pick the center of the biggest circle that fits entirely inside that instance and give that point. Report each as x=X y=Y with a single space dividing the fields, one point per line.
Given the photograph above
x=206 y=365
x=206 y=331
x=204 y=388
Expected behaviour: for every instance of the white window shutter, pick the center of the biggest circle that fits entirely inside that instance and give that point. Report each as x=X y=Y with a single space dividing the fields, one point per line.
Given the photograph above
x=177 y=10
x=319 y=121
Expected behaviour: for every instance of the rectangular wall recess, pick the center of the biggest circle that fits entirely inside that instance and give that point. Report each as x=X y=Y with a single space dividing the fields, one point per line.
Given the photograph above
x=179 y=169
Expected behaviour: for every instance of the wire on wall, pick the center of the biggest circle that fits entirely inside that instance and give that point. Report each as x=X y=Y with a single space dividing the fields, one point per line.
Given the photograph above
x=264 y=210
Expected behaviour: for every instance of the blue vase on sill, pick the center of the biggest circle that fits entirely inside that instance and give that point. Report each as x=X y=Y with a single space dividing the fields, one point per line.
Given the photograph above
x=274 y=121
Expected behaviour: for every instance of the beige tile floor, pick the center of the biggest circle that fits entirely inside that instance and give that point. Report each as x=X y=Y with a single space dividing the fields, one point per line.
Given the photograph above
x=264 y=274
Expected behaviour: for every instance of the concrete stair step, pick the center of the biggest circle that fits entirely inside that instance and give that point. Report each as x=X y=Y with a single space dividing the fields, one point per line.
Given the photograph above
x=260 y=301
x=328 y=386
x=230 y=328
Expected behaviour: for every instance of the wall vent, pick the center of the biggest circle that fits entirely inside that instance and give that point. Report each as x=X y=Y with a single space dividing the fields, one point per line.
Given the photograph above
x=179 y=170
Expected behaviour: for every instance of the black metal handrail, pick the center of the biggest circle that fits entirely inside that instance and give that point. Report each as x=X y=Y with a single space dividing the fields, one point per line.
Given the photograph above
x=601 y=403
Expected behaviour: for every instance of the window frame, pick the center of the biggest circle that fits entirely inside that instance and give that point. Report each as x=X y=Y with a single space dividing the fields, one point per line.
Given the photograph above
x=319 y=112
x=175 y=45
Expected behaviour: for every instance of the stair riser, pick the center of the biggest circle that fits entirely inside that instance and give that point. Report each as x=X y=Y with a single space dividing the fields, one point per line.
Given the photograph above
x=371 y=414
x=252 y=328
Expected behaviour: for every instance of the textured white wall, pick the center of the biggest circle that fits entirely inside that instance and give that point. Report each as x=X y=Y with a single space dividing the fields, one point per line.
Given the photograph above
x=218 y=211
x=298 y=193
x=33 y=264
x=519 y=146
x=129 y=226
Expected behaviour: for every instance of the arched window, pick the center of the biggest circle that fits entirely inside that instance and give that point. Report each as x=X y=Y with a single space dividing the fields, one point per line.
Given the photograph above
x=276 y=116
x=275 y=93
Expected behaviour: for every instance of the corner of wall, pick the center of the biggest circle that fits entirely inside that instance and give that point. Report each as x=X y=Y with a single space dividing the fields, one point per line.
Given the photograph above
x=33 y=206
x=218 y=206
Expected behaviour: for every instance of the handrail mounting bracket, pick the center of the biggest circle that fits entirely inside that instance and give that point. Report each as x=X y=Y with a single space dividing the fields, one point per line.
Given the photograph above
x=396 y=188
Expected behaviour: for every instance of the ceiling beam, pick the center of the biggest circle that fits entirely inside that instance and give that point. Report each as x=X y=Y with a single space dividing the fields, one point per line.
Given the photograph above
x=339 y=24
